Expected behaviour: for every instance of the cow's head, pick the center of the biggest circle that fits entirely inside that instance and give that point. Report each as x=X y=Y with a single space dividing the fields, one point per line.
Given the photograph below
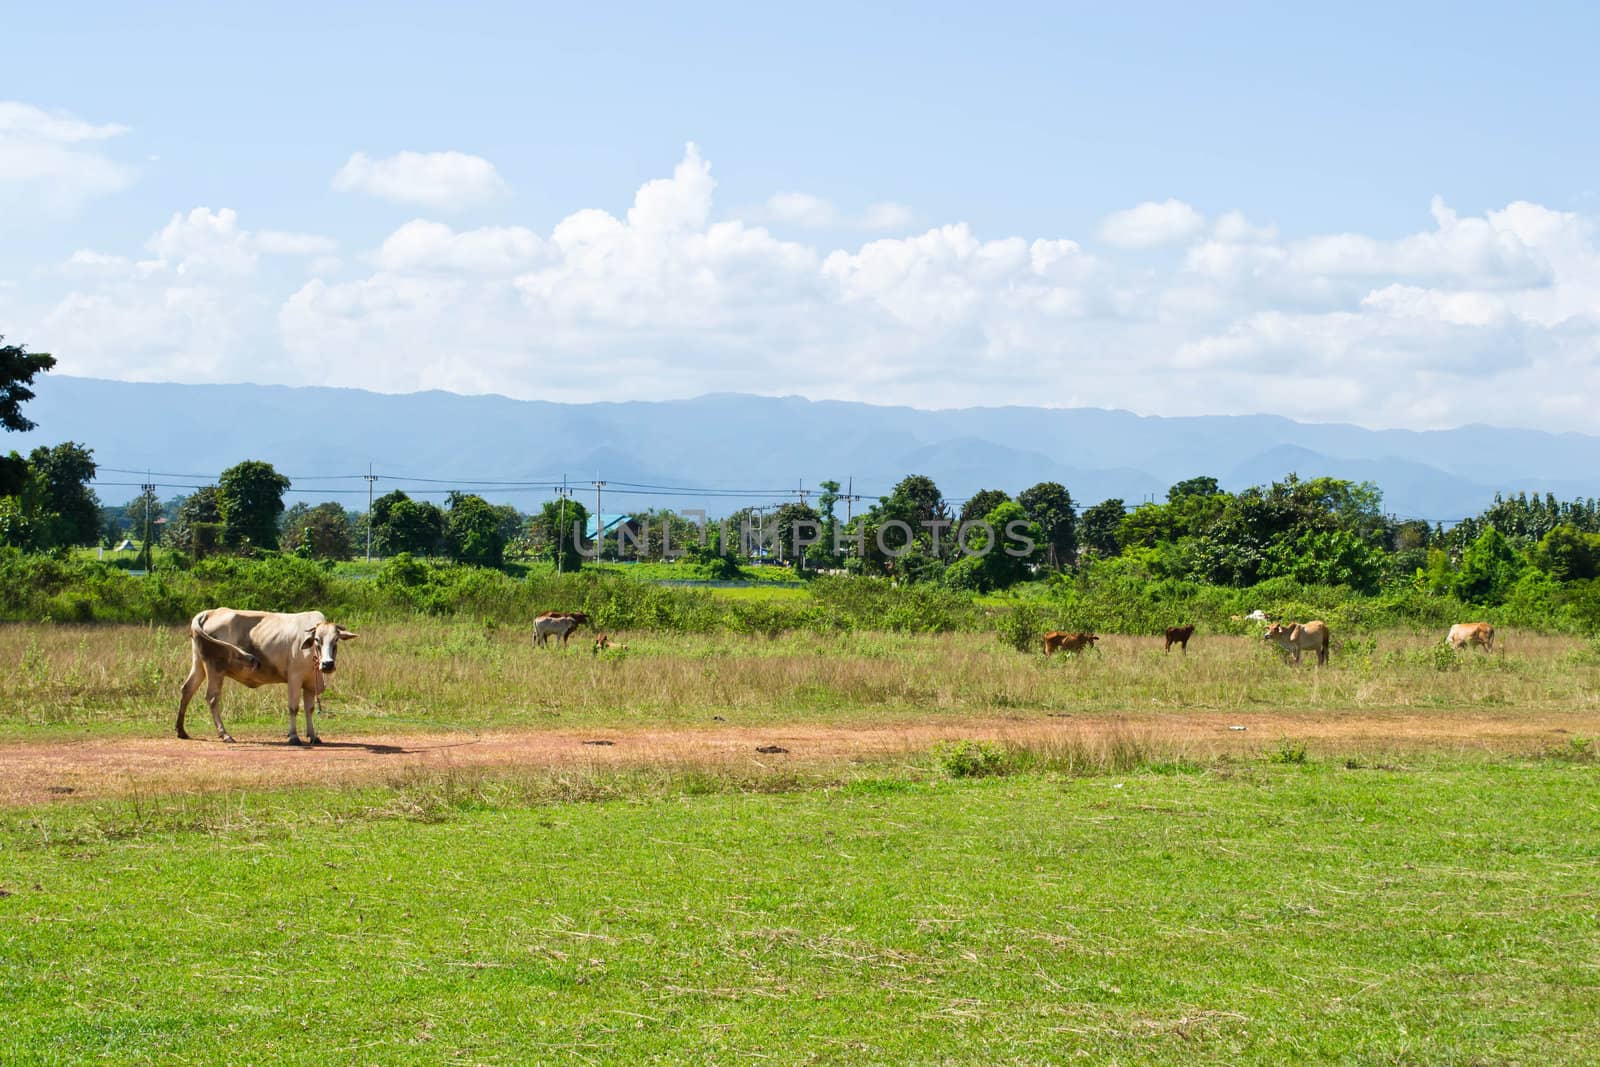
x=1276 y=631
x=578 y=618
x=322 y=641
x=1091 y=637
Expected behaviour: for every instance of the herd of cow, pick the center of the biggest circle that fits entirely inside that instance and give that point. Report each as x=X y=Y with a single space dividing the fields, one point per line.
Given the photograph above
x=300 y=650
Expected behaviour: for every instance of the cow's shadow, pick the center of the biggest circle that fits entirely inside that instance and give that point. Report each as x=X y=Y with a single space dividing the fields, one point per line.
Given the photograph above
x=375 y=749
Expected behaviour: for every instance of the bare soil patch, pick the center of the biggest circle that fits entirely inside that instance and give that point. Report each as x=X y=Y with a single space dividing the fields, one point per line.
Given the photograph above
x=35 y=772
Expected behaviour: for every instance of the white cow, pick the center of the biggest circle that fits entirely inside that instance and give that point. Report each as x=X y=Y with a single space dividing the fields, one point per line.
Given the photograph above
x=257 y=648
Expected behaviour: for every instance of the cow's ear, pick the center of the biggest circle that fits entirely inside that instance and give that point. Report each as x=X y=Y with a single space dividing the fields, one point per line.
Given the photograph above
x=310 y=639
x=346 y=635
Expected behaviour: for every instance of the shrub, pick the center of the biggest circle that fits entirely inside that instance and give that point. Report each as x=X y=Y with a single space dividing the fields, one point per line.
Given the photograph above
x=969 y=759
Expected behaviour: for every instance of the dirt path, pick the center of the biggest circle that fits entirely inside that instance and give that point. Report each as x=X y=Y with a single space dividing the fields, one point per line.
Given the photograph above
x=36 y=772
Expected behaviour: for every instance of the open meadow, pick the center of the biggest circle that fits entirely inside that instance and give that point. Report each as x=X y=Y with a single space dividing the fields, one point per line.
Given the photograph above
x=949 y=851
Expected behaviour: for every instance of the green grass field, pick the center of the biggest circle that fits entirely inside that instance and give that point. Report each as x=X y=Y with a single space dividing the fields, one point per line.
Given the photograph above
x=1443 y=911
x=1398 y=865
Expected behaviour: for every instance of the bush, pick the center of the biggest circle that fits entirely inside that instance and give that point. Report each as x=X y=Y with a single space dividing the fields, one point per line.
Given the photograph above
x=969 y=759
x=1022 y=627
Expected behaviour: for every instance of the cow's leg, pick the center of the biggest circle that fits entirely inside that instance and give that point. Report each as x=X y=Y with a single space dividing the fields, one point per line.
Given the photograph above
x=214 y=702
x=197 y=674
x=294 y=708
x=312 y=698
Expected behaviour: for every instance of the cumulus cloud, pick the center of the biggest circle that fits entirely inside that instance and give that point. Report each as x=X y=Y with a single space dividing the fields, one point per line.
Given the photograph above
x=1492 y=317
x=446 y=181
x=888 y=216
x=803 y=209
x=54 y=159
x=1151 y=224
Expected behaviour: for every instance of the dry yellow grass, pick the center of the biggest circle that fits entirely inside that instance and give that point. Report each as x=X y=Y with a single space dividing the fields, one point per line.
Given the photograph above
x=432 y=676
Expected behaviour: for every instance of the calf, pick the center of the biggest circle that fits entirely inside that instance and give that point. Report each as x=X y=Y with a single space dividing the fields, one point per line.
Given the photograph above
x=1067 y=642
x=1179 y=635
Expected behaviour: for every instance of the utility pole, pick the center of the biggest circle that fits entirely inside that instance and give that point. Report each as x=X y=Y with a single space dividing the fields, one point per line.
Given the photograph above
x=371 y=480
x=149 y=489
x=561 y=529
x=599 y=516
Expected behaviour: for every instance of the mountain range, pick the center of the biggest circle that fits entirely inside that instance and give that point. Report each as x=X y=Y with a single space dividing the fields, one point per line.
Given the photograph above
x=723 y=451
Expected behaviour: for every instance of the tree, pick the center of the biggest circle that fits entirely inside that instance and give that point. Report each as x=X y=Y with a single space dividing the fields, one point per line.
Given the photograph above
x=1489 y=568
x=915 y=500
x=1205 y=485
x=322 y=532
x=555 y=530
x=18 y=367
x=1568 y=554
x=980 y=504
x=66 y=471
x=1050 y=505
x=400 y=524
x=794 y=520
x=198 y=528
x=472 y=531
x=1099 y=527
x=250 y=495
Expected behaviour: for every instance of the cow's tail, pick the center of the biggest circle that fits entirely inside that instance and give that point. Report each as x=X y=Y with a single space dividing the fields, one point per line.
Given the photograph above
x=197 y=631
x=1327 y=645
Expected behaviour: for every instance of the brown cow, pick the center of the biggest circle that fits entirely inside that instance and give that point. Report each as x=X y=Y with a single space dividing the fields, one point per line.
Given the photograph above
x=1067 y=642
x=1179 y=635
x=557 y=624
x=1463 y=634
x=258 y=648
x=1297 y=637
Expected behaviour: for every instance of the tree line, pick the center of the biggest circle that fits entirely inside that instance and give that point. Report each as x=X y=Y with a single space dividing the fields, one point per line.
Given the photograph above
x=1318 y=531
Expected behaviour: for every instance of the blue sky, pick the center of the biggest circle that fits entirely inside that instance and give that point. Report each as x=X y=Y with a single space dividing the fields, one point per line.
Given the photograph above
x=1038 y=123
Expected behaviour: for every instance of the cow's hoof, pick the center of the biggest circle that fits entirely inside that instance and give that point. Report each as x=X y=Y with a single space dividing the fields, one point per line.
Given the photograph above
x=294 y=739
x=314 y=740
x=227 y=739
x=183 y=735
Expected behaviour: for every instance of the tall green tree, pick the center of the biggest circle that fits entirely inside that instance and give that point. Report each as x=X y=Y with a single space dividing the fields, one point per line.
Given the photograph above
x=980 y=504
x=250 y=495
x=66 y=471
x=18 y=368
x=473 y=532
x=1099 y=527
x=556 y=528
x=320 y=532
x=197 y=526
x=1050 y=505
x=400 y=524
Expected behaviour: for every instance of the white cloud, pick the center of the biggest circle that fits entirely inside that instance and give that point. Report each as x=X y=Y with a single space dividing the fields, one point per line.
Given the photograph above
x=53 y=159
x=446 y=181
x=1492 y=317
x=431 y=246
x=801 y=209
x=285 y=243
x=888 y=216
x=1151 y=224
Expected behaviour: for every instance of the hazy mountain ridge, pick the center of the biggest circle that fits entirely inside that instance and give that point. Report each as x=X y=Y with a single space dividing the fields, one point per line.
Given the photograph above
x=729 y=440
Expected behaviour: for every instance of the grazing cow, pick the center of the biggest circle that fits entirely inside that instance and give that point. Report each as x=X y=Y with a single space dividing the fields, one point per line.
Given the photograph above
x=557 y=624
x=257 y=648
x=1297 y=637
x=1179 y=635
x=1463 y=634
x=1067 y=642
